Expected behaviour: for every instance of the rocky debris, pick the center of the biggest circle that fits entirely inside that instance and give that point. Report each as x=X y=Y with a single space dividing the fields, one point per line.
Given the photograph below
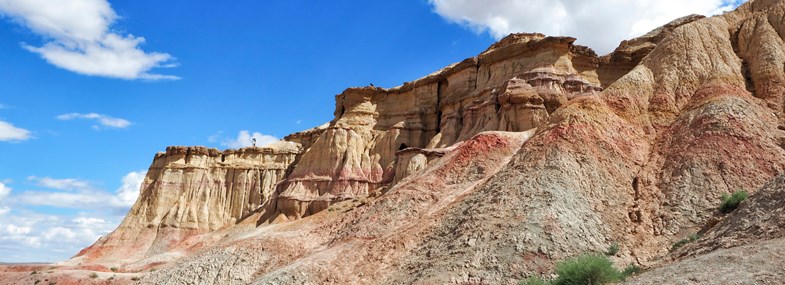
x=756 y=264
x=759 y=218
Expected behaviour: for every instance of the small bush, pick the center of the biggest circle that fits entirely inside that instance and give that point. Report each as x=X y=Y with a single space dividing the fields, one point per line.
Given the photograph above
x=612 y=250
x=114 y=269
x=730 y=203
x=135 y=278
x=586 y=269
x=36 y=282
x=689 y=239
x=34 y=272
x=93 y=275
x=52 y=283
x=630 y=270
x=533 y=281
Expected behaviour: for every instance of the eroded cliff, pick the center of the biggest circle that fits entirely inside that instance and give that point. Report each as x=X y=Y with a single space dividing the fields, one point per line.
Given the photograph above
x=486 y=171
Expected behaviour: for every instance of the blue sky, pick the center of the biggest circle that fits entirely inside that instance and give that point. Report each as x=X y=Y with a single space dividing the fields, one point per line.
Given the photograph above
x=85 y=105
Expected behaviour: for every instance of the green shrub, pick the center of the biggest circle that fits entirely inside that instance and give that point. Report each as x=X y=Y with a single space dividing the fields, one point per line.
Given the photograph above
x=630 y=270
x=114 y=269
x=34 y=272
x=612 y=250
x=533 y=281
x=135 y=278
x=689 y=239
x=93 y=275
x=587 y=269
x=730 y=203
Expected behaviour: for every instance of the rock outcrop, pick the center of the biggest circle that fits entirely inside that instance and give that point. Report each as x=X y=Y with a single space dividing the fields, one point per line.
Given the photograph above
x=489 y=170
x=513 y=86
x=195 y=190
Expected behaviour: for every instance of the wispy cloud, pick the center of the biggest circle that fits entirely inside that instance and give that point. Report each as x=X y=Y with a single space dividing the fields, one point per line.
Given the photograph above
x=9 y=132
x=68 y=184
x=103 y=120
x=600 y=24
x=245 y=139
x=80 y=38
x=4 y=192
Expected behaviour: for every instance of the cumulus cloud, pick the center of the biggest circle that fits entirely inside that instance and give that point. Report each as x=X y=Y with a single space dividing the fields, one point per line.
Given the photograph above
x=9 y=132
x=103 y=120
x=126 y=195
x=49 y=238
x=80 y=38
x=245 y=139
x=55 y=237
x=601 y=24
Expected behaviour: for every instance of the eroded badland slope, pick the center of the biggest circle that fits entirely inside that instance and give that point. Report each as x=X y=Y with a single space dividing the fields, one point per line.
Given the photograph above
x=494 y=169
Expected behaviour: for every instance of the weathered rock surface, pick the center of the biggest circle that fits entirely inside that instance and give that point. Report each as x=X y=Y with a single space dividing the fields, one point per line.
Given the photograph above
x=194 y=190
x=493 y=169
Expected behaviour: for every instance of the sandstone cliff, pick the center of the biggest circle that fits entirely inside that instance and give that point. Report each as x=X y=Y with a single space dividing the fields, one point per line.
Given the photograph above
x=489 y=170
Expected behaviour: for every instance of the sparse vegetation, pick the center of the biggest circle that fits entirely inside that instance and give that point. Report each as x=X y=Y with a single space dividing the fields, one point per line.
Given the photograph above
x=36 y=282
x=52 y=283
x=135 y=278
x=612 y=250
x=93 y=275
x=689 y=239
x=730 y=203
x=34 y=272
x=586 y=269
x=111 y=278
x=630 y=270
x=533 y=281
x=114 y=269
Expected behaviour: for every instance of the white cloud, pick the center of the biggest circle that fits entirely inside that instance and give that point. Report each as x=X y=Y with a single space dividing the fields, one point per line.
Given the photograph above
x=33 y=237
x=82 y=195
x=103 y=120
x=126 y=196
x=245 y=139
x=9 y=132
x=78 y=200
x=4 y=191
x=68 y=184
x=600 y=24
x=17 y=230
x=81 y=39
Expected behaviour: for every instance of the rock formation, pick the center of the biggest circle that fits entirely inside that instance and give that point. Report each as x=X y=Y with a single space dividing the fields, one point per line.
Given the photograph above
x=491 y=169
x=190 y=191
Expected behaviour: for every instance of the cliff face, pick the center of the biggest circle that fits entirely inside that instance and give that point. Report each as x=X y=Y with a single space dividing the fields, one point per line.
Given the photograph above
x=487 y=171
x=195 y=190
x=513 y=86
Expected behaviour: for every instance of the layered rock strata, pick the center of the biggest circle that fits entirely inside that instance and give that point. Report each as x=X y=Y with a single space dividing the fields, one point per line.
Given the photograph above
x=633 y=148
x=194 y=190
x=513 y=86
